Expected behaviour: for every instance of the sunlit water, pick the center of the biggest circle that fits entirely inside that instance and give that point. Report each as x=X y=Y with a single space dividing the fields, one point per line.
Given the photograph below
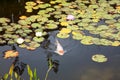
x=76 y=64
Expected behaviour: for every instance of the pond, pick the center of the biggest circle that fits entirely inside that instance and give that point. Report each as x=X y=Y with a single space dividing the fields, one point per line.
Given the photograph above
x=75 y=64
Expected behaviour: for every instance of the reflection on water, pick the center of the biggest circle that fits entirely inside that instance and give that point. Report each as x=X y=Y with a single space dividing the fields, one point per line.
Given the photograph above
x=100 y=74
x=55 y=62
x=19 y=66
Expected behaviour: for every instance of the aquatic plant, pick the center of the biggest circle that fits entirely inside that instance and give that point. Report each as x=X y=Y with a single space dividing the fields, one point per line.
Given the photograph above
x=32 y=74
x=99 y=58
x=78 y=19
x=11 y=54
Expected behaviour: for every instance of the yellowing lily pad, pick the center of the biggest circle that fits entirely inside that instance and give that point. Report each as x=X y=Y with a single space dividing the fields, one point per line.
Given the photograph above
x=23 y=17
x=30 y=3
x=115 y=43
x=99 y=58
x=65 y=30
x=64 y=23
x=11 y=54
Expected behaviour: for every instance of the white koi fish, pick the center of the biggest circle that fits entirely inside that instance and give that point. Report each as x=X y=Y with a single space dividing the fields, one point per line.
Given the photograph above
x=59 y=49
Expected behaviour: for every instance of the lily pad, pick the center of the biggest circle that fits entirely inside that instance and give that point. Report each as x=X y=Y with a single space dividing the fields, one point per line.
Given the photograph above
x=36 y=25
x=62 y=35
x=65 y=30
x=31 y=3
x=23 y=22
x=51 y=26
x=100 y=58
x=33 y=45
x=115 y=43
x=4 y=20
x=64 y=23
x=38 y=39
x=87 y=40
x=11 y=54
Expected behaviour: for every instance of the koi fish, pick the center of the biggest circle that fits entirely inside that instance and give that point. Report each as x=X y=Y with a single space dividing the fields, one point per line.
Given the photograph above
x=59 y=49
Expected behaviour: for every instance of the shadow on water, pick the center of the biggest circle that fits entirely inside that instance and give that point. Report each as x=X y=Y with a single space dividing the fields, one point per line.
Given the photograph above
x=76 y=64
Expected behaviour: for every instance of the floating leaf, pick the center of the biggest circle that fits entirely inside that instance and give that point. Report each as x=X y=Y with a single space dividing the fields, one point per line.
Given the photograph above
x=87 y=40
x=29 y=10
x=78 y=35
x=23 y=45
x=38 y=39
x=65 y=30
x=35 y=25
x=23 y=17
x=11 y=54
x=115 y=43
x=73 y=27
x=102 y=27
x=61 y=35
x=33 y=45
x=51 y=26
x=99 y=58
x=64 y=23
x=31 y=3
x=23 y=22
x=4 y=20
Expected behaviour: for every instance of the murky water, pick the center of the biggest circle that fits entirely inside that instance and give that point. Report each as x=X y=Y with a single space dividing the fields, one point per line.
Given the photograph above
x=76 y=64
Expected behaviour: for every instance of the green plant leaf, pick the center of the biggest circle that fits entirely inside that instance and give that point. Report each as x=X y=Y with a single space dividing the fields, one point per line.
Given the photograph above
x=100 y=58
x=30 y=73
x=6 y=76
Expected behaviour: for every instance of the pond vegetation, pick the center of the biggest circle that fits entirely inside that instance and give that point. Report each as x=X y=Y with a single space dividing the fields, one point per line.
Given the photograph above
x=91 y=22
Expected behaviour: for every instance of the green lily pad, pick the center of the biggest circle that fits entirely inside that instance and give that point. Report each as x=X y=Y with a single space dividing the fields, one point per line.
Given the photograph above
x=19 y=31
x=4 y=20
x=102 y=27
x=38 y=39
x=27 y=31
x=112 y=21
x=23 y=45
x=51 y=26
x=11 y=41
x=94 y=6
x=105 y=42
x=60 y=35
x=44 y=5
x=34 y=44
x=90 y=28
x=73 y=27
x=100 y=58
x=30 y=3
x=87 y=40
x=1 y=28
x=23 y=22
x=36 y=25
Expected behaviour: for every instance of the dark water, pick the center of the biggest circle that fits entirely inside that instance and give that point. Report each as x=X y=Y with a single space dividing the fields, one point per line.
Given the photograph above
x=76 y=64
